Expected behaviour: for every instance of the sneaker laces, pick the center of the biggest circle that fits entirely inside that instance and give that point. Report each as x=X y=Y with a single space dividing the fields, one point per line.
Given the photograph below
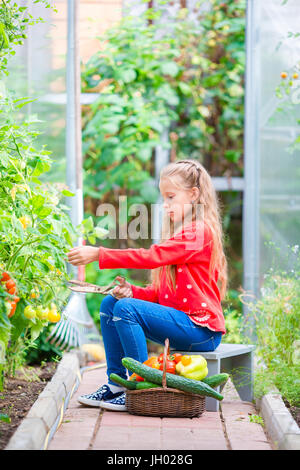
x=120 y=400
x=98 y=394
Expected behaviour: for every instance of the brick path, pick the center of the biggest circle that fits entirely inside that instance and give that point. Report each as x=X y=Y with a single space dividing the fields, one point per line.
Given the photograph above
x=87 y=428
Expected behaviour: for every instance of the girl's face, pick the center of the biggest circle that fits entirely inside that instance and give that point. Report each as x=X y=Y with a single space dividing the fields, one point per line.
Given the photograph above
x=177 y=202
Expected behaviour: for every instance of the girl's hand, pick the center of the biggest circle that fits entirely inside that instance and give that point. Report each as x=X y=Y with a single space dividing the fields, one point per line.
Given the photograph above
x=123 y=290
x=81 y=255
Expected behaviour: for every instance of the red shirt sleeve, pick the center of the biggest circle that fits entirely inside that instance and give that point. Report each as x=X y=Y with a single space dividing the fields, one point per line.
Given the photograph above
x=178 y=249
x=144 y=293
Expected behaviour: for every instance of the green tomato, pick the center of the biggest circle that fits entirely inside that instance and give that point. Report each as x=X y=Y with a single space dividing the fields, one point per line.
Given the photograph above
x=29 y=312
x=42 y=313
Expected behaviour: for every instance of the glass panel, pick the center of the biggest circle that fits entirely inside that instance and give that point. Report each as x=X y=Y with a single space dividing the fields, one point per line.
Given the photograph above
x=38 y=71
x=279 y=112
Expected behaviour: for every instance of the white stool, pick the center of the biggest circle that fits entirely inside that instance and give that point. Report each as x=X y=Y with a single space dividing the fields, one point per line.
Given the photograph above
x=236 y=360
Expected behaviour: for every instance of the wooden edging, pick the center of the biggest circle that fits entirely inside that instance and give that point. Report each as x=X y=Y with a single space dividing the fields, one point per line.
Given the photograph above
x=33 y=432
x=280 y=425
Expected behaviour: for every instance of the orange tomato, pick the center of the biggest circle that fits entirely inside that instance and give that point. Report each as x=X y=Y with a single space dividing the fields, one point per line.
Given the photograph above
x=13 y=308
x=152 y=362
x=186 y=360
x=283 y=75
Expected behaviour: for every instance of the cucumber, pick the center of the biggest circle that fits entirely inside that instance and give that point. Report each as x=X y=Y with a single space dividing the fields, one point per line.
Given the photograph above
x=143 y=385
x=131 y=385
x=173 y=381
x=216 y=380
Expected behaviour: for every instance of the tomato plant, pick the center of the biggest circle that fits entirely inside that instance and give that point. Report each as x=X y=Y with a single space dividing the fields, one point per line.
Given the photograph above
x=35 y=234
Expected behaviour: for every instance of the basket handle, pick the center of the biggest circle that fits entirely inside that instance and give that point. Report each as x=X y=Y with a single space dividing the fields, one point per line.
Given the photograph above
x=166 y=353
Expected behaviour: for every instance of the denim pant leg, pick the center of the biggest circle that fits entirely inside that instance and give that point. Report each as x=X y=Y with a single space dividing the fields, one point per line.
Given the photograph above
x=138 y=319
x=126 y=323
x=113 y=348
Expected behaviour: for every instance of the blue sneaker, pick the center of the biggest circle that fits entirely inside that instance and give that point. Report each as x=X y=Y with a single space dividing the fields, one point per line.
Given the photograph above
x=94 y=399
x=114 y=404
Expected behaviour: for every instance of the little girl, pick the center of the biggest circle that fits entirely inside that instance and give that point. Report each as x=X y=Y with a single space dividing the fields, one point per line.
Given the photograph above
x=183 y=301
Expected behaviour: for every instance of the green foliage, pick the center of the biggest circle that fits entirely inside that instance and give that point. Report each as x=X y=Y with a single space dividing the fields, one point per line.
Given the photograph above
x=175 y=82
x=233 y=325
x=153 y=78
x=14 y=21
x=284 y=378
x=41 y=350
x=232 y=309
x=256 y=419
x=277 y=319
x=35 y=228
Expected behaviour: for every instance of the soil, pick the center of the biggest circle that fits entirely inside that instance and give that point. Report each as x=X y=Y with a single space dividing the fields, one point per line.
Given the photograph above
x=19 y=394
x=294 y=410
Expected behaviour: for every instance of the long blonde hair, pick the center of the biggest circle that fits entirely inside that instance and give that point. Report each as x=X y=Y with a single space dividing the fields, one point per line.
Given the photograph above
x=186 y=174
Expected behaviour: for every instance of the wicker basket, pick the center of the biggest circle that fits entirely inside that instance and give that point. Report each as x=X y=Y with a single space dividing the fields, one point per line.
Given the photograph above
x=164 y=401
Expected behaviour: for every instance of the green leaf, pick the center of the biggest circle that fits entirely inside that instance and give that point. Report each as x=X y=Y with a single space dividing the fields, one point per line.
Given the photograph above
x=5 y=418
x=35 y=330
x=41 y=167
x=101 y=232
x=92 y=239
x=88 y=224
x=233 y=155
x=37 y=201
x=185 y=88
x=128 y=75
x=212 y=80
x=109 y=127
x=170 y=68
x=67 y=193
x=144 y=154
x=150 y=193
x=44 y=212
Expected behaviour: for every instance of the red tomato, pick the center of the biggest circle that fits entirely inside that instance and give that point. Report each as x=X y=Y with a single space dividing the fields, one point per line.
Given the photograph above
x=176 y=357
x=10 y=284
x=170 y=367
x=5 y=277
x=136 y=377
x=12 y=290
x=171 y=357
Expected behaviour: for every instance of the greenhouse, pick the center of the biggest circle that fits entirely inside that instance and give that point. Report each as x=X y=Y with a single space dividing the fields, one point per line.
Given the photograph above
x=127 y=127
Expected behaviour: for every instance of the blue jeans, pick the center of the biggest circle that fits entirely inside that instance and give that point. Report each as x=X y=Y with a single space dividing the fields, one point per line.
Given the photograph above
x=126 y=323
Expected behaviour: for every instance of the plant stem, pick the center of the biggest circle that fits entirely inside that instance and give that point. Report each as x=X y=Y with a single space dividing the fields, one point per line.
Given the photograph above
x=20 y=247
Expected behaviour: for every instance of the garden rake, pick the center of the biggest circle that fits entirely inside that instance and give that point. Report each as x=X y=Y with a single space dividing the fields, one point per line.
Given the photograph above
x=76 y=326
